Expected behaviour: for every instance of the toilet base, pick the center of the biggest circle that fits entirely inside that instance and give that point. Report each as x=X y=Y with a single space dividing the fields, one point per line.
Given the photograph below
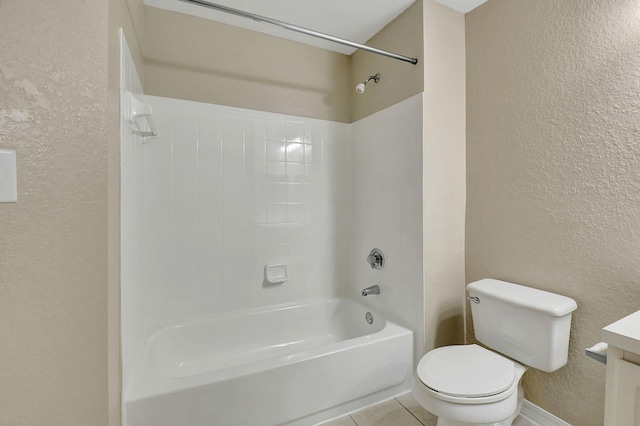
x=507 y=422
x=489 y=412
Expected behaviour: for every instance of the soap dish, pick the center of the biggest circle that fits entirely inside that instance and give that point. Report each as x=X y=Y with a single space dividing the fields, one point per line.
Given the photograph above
x=275 y=274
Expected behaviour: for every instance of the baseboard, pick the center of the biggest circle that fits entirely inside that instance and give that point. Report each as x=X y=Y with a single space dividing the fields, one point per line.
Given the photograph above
x=540 y=417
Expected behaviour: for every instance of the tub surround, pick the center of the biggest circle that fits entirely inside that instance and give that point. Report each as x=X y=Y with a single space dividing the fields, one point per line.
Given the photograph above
x=131 y=221
x=386 y=197
x=228 y=191
x=221 y=193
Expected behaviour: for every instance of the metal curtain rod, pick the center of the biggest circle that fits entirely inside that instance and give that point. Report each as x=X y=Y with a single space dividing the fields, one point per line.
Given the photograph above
x=302 y=30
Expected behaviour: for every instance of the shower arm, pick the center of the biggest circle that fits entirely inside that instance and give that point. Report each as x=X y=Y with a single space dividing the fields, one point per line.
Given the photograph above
x=302 y=30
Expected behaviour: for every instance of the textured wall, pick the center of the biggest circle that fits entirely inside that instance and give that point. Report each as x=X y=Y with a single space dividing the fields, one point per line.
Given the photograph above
x=553 y=157
x=53 y=242
x=201 y=60
x=399 y=80
x=443 y=174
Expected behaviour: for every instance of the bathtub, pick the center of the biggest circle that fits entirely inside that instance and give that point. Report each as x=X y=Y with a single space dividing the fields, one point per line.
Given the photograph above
x=296 y=364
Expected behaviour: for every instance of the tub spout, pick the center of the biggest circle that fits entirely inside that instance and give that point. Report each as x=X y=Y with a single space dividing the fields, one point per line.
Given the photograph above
x=374 y=289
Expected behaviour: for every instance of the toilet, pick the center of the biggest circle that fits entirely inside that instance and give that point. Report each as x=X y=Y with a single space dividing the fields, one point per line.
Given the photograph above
x=521 y=328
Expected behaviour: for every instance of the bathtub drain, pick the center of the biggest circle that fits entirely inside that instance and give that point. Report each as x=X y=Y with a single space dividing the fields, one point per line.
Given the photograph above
x=369 y=318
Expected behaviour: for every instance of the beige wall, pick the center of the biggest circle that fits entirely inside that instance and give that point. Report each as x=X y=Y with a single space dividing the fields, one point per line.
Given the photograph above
x=553 y=161
x=197 y=59
x=443 y=174
x=53 y=242
x=202 y=60
x=399 y=80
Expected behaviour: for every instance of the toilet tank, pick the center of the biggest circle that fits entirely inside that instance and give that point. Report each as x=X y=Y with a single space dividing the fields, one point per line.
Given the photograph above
x=528 y=325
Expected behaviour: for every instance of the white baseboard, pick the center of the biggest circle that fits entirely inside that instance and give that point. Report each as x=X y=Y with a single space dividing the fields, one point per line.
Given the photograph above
x=540 y=417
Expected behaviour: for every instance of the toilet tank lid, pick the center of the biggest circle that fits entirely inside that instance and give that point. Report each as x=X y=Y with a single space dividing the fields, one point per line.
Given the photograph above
x=526 y=297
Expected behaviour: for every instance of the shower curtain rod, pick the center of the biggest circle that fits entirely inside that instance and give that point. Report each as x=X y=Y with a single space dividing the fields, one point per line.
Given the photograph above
x=302 y=30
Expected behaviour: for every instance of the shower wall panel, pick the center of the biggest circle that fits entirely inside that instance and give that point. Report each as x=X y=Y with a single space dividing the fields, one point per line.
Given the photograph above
x=387 y=212
x=132 y=220
x=228 y=191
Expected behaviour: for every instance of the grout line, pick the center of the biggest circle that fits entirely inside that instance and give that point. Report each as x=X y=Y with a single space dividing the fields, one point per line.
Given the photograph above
x=398 y=401
x=409 y=411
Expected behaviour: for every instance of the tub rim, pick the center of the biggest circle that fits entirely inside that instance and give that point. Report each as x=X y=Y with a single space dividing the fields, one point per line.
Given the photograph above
x=146 y=384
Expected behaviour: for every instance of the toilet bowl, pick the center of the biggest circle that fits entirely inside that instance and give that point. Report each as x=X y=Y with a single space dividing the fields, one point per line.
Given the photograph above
x=468 y=385
x=522 y=327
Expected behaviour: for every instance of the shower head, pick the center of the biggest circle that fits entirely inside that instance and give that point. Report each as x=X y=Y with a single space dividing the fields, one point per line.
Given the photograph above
x=360 y=87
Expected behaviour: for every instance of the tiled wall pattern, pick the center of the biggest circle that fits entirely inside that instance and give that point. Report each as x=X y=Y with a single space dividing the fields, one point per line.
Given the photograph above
x=228 y=191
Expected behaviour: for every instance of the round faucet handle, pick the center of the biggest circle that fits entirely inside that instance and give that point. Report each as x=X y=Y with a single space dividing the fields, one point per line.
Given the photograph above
x=376 y=259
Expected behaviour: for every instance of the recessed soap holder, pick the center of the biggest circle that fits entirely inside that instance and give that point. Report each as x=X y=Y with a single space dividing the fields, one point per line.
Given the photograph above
x=275 y=274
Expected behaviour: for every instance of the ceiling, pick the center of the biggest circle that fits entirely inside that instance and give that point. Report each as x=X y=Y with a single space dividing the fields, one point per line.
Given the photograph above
x=463 y=6
x=354 y=20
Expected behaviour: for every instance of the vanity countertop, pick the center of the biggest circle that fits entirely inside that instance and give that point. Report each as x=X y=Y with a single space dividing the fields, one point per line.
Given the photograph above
x=624 y=333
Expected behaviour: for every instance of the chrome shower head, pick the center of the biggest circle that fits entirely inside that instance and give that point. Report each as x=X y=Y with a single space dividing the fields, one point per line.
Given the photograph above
x=361 y=87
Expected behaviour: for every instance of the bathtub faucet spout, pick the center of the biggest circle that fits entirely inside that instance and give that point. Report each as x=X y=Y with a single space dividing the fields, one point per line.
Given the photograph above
x=374 y=289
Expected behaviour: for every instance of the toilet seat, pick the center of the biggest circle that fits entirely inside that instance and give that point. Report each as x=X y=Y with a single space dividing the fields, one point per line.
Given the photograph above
x=470 y=372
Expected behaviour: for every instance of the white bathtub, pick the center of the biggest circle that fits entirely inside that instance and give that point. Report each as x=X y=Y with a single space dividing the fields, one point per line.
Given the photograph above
x=297 y=364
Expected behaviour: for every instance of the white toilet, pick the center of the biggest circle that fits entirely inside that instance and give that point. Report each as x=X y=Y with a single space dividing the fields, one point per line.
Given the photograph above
x=467 y=385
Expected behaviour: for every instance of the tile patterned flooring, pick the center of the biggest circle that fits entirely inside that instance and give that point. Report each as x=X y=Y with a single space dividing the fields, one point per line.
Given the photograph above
x=401 y=411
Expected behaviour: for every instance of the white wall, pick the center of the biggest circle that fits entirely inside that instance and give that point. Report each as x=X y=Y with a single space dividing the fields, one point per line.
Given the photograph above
x=231 y=190
x=387 y=212
x=225 y=192
x=132 y=219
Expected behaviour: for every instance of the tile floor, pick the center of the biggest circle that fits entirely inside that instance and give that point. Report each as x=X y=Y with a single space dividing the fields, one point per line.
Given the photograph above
x=401 y=411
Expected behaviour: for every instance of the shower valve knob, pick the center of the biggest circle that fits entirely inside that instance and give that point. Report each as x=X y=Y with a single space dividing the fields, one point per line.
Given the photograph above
x=376 y=259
